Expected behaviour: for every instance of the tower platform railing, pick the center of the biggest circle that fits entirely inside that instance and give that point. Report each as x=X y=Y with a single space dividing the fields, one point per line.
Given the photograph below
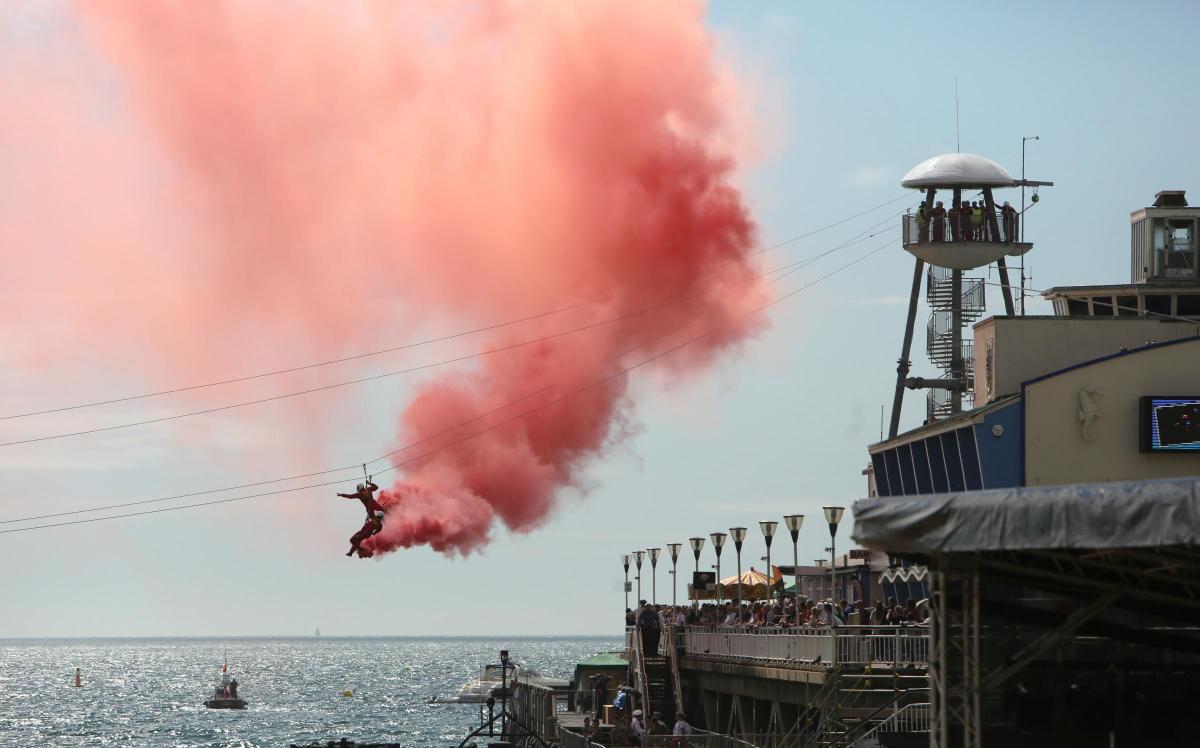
x=956 y=227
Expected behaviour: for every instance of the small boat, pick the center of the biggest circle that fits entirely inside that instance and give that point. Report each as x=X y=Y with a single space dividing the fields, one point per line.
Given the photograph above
x=225 y=694
x=477 y=690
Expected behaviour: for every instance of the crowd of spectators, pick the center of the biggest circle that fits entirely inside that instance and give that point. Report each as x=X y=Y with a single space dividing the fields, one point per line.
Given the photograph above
x=777 y=613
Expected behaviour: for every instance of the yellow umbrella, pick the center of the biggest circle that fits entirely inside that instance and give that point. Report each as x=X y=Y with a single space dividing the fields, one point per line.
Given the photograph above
x=755 y=585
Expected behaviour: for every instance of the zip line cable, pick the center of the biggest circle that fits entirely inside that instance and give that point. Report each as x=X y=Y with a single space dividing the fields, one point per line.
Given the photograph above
x=823 y=228
x=397 y=465
x=336 y=385
x=337 y=482
x=792 y=267
x=303 y=367
x=801 y=264
x=275 y=480
x=329 y=471
x=393 y=349
x=455 y=427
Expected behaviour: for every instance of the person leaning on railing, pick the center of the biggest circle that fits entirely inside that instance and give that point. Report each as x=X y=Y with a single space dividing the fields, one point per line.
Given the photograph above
x=1008 y=216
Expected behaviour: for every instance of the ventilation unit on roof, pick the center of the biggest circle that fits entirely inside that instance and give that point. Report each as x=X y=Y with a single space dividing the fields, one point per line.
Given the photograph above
x=1170 y=199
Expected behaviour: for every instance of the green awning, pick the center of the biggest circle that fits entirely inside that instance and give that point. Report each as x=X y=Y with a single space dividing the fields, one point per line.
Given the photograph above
x=604 y=660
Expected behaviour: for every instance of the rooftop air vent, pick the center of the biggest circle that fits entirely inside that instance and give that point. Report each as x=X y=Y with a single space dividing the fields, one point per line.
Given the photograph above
x=1170 y=199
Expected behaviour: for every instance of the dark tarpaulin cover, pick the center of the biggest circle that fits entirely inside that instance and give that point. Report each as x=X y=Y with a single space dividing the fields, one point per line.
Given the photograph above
x=1126 y=514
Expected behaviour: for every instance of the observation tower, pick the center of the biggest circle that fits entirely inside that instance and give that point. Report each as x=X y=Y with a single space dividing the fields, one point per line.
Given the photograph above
x=965 y=230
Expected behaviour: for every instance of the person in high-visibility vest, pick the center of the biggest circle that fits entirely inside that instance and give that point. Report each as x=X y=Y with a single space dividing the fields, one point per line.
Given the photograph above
x=922 y=224
x=976 y=221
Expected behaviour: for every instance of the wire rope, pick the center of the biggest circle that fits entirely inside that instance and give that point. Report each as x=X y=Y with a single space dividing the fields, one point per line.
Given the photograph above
x=408 y=461
x=392 y=349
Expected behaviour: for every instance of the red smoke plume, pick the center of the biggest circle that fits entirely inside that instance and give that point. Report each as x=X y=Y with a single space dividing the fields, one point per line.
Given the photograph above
x=332 y=167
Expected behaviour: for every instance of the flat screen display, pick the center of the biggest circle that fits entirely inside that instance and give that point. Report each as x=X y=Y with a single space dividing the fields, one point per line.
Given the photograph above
x=1170 y=424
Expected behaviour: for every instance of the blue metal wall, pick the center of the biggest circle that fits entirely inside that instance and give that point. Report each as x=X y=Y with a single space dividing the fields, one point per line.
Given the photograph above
x=968 y=458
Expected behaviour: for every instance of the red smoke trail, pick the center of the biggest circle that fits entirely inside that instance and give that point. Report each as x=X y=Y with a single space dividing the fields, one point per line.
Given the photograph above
x=335 y=167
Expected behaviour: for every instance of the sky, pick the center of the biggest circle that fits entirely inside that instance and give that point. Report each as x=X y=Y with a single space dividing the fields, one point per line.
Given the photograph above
x=842 y=101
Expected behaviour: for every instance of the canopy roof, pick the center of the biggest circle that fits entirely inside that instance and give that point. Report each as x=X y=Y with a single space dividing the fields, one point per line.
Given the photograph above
x=752 y=576
x=604 y=660
x=1127 y=514
x=957 y=170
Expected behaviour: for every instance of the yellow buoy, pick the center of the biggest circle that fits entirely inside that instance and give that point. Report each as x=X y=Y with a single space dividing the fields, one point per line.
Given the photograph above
x=347 y=693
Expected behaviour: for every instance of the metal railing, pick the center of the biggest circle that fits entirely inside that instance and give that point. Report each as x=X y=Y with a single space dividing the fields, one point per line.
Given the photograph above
x=910 y=718
x=538 y=706
x=568 y=739
x=955 y=227
x=808 y=648
x=703 y=739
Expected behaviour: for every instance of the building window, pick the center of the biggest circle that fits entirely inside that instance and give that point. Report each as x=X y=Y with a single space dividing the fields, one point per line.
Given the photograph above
x=1077 y=307
x=1188 y=304
x=1158 y=304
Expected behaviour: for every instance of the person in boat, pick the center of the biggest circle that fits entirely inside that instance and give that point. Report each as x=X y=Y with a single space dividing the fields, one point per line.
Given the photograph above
x=365 y=494
x=233 y=684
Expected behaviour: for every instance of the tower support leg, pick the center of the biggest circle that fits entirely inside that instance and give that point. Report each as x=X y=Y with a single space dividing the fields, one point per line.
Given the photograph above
x=994 y=227
x=902 y=365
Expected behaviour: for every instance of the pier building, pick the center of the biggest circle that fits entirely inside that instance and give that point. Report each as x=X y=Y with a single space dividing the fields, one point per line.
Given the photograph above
x=1056 y=521
x=1048 y=510
x=1066 y=398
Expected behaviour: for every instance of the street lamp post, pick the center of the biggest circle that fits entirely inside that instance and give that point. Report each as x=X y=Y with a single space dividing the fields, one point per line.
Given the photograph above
x=673 y=549
x=638 y=556
x=697 y=546
x=653 y=574
x=833 y=515
x=768 y=531
x=738 y=534
x=718 y=541
x=625 y=561
x=1022 y=227
x=794 y=522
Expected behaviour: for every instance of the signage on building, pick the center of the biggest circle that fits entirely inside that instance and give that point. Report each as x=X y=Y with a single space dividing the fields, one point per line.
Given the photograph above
x=1170 y=423
x=860 y=553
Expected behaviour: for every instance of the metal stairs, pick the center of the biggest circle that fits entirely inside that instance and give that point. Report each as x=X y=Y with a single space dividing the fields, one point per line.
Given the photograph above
x=851 y=705
x=939 y=331
x=658 y=694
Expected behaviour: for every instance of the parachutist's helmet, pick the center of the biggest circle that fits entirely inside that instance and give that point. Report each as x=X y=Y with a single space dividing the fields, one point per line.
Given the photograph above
x=379 y=515
x=362 y=486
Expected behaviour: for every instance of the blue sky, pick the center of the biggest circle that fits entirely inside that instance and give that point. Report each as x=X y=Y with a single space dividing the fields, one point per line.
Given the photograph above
x=849 y=97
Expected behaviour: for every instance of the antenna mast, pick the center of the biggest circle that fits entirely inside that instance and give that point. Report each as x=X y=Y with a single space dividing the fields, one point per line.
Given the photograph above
x=957 y=145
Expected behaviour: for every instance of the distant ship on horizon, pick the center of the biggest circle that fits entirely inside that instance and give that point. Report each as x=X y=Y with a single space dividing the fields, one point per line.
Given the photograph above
x=317 y=632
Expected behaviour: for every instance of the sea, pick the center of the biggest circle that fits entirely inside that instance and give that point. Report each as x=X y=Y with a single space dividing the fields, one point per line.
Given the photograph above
x=151 y=692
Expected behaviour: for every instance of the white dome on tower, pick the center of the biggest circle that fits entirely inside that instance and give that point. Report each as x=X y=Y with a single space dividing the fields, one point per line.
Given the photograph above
x=957 y=170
